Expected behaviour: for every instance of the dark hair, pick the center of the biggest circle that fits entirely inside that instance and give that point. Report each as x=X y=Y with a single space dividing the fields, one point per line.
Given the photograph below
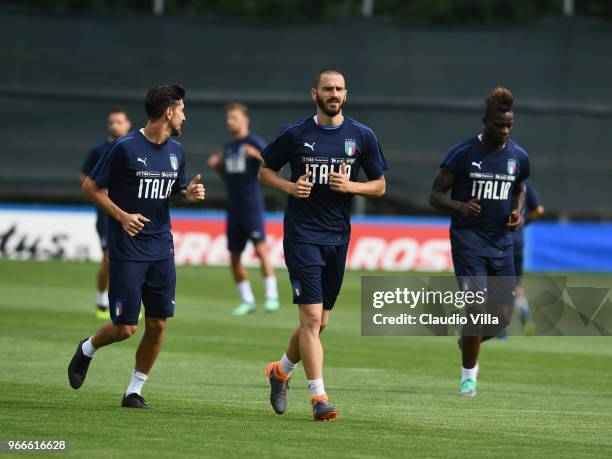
x=119 y=109
x=317 y=78
x=237 y=106
x=159 y=98
x=499 y=101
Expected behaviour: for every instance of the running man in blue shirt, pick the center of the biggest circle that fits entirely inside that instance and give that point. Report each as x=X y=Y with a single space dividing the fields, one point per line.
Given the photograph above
x=239 y=165
x=325 y=153
x=486 y=176
x=141 y=172
x=118 y=125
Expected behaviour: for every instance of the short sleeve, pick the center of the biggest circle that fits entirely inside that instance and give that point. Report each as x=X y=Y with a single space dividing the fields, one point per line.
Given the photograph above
x=532 y=200
x=523 y=168
x=278 y=152
x=258 y=142
x=180 y=183
x=92 y=158
x=373 y=161
x=455 y=158
x=109 y=167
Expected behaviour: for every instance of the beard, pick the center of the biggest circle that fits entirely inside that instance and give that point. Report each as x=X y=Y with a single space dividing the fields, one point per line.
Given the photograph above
x=176 y=131
x=331 y=112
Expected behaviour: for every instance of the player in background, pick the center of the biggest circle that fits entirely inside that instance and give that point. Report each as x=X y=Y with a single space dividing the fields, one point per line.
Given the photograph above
x=486 y=176
x=325 y=153
x=118 y=125
x=239 y=165
x=532 y=210
x=141 y=172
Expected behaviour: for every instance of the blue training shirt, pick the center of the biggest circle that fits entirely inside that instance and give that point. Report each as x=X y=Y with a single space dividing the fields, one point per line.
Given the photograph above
x=491 y=175
x=241 y=171
x=532 y=202
x=140 y=177
x=324 y=217
x=93 y=157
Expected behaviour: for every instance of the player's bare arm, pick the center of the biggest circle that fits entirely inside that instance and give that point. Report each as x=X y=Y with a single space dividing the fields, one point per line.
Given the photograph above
x=440 y=199
x=518 y=201
x=82 y=178
x=339 y=182
x=215 y=161
x=131 y=223
x=299 y=189
x=251 y=152
x=534 y=214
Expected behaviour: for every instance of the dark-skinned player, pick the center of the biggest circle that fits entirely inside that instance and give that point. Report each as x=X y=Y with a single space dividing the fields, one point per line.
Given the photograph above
x=485 y=176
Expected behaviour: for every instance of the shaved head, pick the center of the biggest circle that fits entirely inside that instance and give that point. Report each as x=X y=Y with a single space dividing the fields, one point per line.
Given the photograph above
x=317 y=79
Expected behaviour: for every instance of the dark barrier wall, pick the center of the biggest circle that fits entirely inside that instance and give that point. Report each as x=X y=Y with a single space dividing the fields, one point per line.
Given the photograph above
x=420 y=88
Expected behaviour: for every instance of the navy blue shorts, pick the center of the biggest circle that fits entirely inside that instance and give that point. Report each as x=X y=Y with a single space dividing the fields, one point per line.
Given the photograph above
x=474 y=272
x=518 y=263
x=495 y=277
x=316 y=271
x=244 y=227
x=518 y=241
x=152 y=282
x=102 y=228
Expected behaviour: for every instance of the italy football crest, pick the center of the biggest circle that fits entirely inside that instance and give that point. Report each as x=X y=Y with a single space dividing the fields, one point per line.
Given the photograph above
x=350 y=147
x=296 y=287
x=511 y=166
x=118 y=308
x=173 y=161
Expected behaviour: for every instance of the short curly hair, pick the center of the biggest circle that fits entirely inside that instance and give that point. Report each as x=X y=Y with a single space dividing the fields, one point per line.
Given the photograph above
x=499 y=101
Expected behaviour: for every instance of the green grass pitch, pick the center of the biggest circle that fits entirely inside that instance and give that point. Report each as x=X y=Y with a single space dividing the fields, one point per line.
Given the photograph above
x=538 y=397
